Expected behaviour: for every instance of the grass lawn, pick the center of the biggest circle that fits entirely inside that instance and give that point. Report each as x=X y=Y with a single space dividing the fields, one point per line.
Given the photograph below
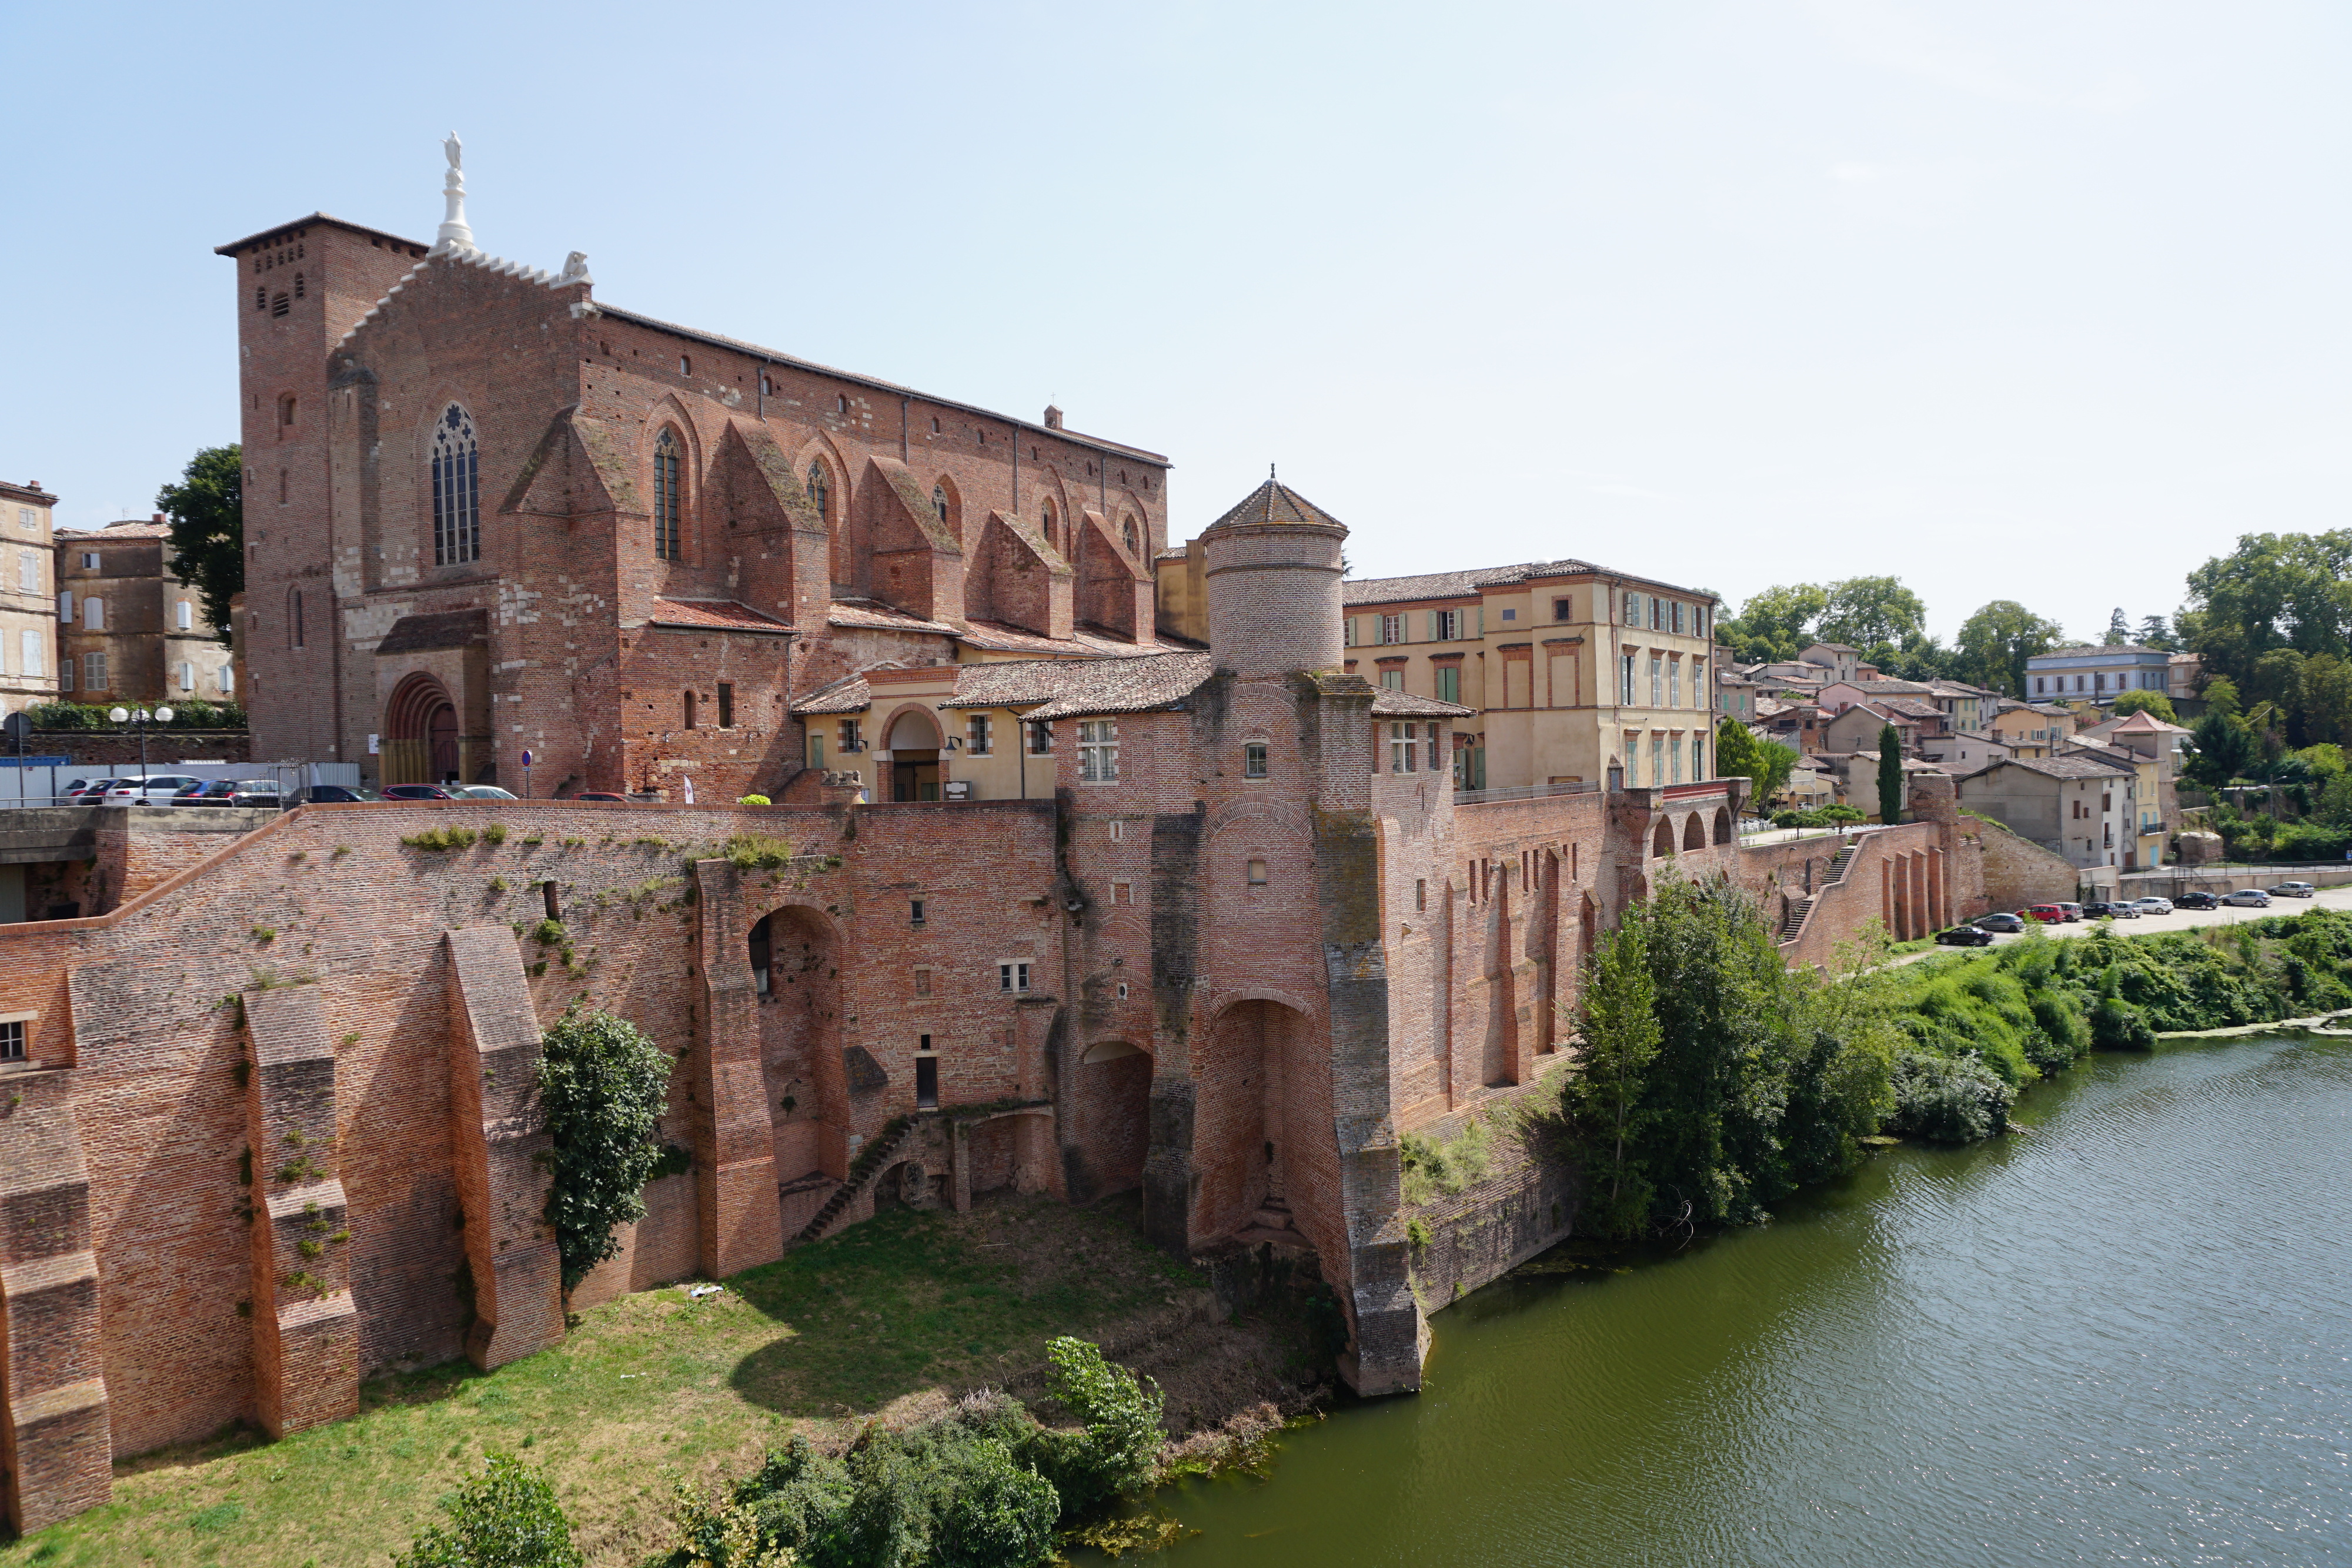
x=645 y=1392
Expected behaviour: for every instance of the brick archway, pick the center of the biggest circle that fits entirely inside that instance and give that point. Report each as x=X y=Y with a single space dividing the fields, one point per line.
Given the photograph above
x=420 y=733
x=1262 y=1133
x=1112 y=1119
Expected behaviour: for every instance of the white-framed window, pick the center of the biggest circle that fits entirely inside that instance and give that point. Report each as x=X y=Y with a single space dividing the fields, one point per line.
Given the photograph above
x=66 y=606
x=93 y=671
x=1633 y=610
x=1012 y=976
x=456 y=490
x=184 y=616
x=15 y=1035
x=1444 y=625
x=1632 y=758
x=187 y=676
x=1657 y=681
x=31 y=660
x=28 y=572
x=93 y=614
x=1699 y=683
x=227 y=680
x=1391 y=628
x=1040 y=738
x=1625 y=679
x=1098 y=751
x=1254 y=759
x=28 y=519
x=1674 y=683
x=976 y=734
x=1403 y=755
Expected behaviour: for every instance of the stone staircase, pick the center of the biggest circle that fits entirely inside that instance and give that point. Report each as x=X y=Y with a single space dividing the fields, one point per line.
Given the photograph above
x=872 y=1161
x=1272 y=1222
x=1792 y=924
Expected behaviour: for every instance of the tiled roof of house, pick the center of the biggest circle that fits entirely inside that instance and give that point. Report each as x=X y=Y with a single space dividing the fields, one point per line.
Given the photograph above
x=1003 y=637
x=2104 y=650
x=2079 y=764
x=1909 y=707
x=113 y=533
x=1466 y=584
x=1386 y=704
x=1068 y=688
x=874 y=616
x=848 y=695
x=716 y=614
x=1275 y=502
x=1893 y=688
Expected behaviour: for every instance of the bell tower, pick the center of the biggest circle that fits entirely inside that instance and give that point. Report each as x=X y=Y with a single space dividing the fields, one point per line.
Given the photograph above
x=1271 y=573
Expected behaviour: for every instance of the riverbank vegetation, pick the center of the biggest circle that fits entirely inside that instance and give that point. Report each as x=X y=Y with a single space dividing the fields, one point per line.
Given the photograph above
x=1713 y=1080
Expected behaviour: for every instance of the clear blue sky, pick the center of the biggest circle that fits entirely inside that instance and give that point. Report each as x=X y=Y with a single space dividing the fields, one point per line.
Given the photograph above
x=2034 y=300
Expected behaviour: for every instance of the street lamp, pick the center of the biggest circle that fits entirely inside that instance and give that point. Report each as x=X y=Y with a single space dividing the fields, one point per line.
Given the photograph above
x=140 y=718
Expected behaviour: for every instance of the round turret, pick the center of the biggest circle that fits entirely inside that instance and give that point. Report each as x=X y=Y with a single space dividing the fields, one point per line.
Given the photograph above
x=1272 y=573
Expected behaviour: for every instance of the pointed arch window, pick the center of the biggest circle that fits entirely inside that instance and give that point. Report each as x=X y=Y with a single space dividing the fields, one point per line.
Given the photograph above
x=667 y=511
x=1049 y=523
x=940 y=501
x=820 y=490
x=1128 y=534
x=456 y=490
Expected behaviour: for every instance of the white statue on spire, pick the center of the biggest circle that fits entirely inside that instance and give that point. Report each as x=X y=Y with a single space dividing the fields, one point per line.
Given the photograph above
x=454 y=235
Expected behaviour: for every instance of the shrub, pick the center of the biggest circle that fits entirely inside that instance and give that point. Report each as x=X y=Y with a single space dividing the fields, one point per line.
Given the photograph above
x=441 y=839
x=1431 y=1167
x=603 y=1085
x=1115 y=1453
x=1818 y=817
x=1948 y=1100
x=753 y=800
x=506 y=1518
x=751 y=851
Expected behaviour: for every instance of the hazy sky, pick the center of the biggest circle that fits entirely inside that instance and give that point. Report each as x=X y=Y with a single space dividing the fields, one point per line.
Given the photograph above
x=2041 y=300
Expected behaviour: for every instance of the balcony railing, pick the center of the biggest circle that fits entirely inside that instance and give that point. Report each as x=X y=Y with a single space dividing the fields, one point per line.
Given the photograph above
x=1524 y=792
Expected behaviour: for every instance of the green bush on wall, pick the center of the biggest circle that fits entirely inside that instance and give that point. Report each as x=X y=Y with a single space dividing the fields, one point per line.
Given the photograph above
x=195 y=713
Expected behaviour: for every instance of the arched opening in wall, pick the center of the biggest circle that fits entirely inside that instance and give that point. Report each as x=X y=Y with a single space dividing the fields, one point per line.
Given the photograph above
x=1051 y=538
x=1261 y=1123
x=1113 y=1107
x=1662 y=842
x=913 y=743
x=1694 y=832
x=420 y=733
x=794 y=962
x=1129 y=537
x=820 y=491
x=1723 y=824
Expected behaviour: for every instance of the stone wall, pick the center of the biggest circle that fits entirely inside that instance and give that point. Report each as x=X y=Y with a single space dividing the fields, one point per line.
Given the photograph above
x=2017 y=871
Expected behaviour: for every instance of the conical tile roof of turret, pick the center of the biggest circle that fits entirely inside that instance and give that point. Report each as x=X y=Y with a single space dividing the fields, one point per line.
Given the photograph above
x=1275 y=502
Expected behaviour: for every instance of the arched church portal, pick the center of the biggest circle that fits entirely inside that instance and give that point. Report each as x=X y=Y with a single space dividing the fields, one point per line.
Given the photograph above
x=420 y=733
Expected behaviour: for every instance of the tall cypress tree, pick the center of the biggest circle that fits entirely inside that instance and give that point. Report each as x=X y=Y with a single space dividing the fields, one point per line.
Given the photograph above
x=1890 y=776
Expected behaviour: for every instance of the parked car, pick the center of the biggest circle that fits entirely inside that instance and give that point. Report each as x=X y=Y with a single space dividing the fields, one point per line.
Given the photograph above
x=420 y=792
x=154 y=789
x=332 y=794
x=87 y=791
x=2249 y=898
x=2099 y=911
x=604 y=795
x=484 y=792
x=2196 y=900
x=2294 y=890
x=2071 y=911
x=2001 y=921
x=207 y=792
x=256 y=793
x=2153 y=905
x=1965 y=936
x=2048 y=913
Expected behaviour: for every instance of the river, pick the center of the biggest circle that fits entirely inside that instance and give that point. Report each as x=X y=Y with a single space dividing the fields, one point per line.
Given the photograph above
x=2121 y=1336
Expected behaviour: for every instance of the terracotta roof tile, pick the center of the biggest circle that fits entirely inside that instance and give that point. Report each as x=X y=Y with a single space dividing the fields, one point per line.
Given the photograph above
x=720 y=614
x=1386 y=704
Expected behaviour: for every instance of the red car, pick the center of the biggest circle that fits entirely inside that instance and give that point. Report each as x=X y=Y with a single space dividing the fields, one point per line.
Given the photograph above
x=605 y=796
x=2048 y=913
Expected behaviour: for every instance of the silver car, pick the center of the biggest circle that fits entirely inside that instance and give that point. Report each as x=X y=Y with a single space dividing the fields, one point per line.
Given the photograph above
x=2153 y=905
x=2294 y=890
x=154 y=789
x=2248 y=898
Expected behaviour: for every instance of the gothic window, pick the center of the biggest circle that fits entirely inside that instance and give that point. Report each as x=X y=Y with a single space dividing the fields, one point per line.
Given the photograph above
x=820 y=490
x=667 y=508
x=1126 y=533
x=940 y=501
x=1049 y=521
x=456 y=490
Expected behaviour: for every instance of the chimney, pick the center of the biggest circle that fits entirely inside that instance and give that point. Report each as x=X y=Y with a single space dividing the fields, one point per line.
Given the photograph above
x=159 y=517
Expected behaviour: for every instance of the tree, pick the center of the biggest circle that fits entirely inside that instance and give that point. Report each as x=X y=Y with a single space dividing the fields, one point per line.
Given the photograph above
x=2224 y=749
x=1890 y=775
x=1617 y=1030
x=207 y=533
x=507 y=1517
x=2138 y=701
x=1773 y=626
x=1868 y=611
x=2220 y=695
x=2119 y=632
x=602 y=1085
x=2156 y=633
x=1738 y=753
x=1996 y=641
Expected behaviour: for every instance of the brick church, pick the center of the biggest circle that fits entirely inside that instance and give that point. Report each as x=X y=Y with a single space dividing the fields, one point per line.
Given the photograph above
x=487 y=513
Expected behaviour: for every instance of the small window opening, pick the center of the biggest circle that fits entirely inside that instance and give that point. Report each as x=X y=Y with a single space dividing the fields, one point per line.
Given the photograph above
x=12 y=1040
x=914 y=912
x=927 y=1079
x=299 y=292
x=841 y=403
x=1122 y=990
x=934 y=424
x=286 y=410
x=281 y=303
x=688 y=704
x=1253 y=760
x=261 y=300
x=762 y=955
x=547 y=896
x=940 y=501
x=1421 y=893
x=1257 y=874
x=1041 y=740
x=1011 y=977
x=1122 y=893
x=725 y=706
x=686 y=364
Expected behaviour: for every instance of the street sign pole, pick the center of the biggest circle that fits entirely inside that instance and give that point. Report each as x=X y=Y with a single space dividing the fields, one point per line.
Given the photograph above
x=526 y=775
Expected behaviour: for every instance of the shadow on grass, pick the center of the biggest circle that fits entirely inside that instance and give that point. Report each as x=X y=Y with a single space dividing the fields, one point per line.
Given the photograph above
x=913 y=1298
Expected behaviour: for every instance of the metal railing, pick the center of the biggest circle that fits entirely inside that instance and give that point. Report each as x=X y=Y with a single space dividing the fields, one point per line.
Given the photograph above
x=1524 y=792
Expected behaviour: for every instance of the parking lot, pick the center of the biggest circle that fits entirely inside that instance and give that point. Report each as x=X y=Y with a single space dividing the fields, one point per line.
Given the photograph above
x=2182 y=919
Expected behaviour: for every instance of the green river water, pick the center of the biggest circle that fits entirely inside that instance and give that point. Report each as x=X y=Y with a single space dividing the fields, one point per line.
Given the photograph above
x=2123 y=1336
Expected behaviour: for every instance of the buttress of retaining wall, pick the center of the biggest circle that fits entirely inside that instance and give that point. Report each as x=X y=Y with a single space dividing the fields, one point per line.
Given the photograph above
x=55 y=1445
x=735 y=1145
x=499 y=1133
x=305 y=1327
